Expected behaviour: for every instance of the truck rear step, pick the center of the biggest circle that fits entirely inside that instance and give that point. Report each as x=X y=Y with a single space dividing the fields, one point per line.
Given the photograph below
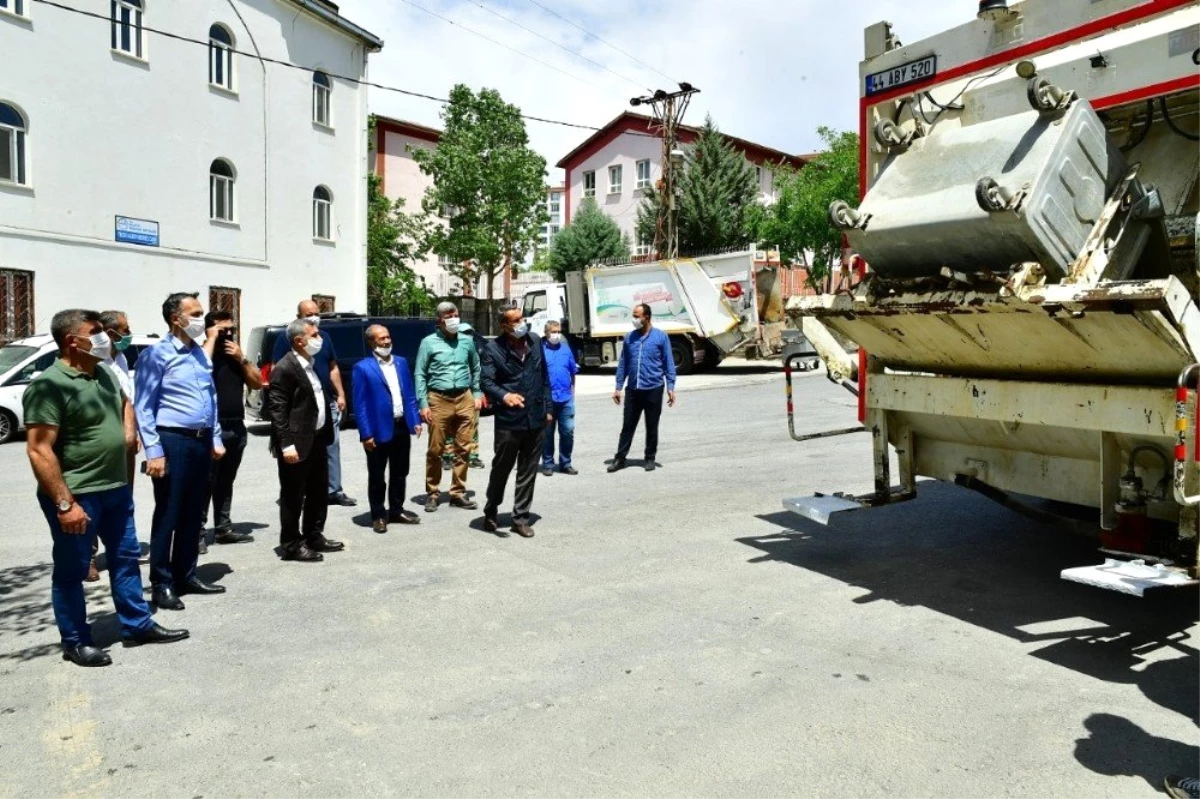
x=1128 y=577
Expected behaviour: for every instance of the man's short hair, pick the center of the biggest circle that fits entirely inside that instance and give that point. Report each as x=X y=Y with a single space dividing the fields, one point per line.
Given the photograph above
x=67 y=323
x=212 y=317
x=370 y=336
x=295 y=329
x=552 y=323
x=505 y=310
x=646 y=310
x=110 y=319
x=174 y=302
x=446 y=307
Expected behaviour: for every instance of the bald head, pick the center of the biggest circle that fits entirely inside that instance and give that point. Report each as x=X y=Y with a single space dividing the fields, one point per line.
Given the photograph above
x=379 y=340
x=307 y=308
x=374 y=331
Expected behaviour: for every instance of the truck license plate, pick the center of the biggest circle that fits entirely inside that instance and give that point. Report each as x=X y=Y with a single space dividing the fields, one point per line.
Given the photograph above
x=912 y=72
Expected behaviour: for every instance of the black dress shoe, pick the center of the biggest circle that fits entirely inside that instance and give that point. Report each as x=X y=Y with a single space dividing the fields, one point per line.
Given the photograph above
x=340 y=498
x=86 y=655
x=464 y=503
x=302 y=553
x=404 y=517
x=651 y=465
x=617 y=465
x=547 y=471
x=198 y=586
x=230 y=537
x=523 y=530
x=490 y=524
x=156 y=634
x=166 y=599
x=569 y=470
x=379 y=525
x=475 y=463
x=323 y=544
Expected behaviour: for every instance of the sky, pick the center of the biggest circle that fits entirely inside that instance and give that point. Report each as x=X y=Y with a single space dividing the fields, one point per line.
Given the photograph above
x=768 y=71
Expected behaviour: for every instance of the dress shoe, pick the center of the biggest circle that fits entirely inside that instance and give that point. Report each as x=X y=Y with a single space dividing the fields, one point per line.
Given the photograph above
x=569 y=470
x=93 y=574
x=475 y=463
x=323 y=544
x=230 y=537
x=547 y=471
x=617 y=465
x=156 y=634
x=86 y=655
x=198 y=586
x=340 y=498
x=203 y=548
x=431 y=504
x=379 y=525
x=464 y=503
x=404 y=517
x=523 y=530
x=489 y=524
x=166 y=599
x=651 y=465
x=302 y=553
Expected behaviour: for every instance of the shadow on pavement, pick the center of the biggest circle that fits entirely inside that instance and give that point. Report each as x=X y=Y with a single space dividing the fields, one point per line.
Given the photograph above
x=26 y=613
x=1117 y=747
x=960 y=555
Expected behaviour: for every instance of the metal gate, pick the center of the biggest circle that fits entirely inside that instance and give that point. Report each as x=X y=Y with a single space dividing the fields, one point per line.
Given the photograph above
x=16 y=305
x=223 y=298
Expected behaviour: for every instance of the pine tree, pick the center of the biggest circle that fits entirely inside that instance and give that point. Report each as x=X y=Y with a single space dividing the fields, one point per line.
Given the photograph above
x=591 y=237
x=716 y=190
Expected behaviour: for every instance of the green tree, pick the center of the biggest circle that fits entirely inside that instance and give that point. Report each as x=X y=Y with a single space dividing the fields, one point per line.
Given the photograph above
x=489 y=183
x=716 y=191
x=541 y=261
x=798 y=221
x=592 y=236
x=395 y=240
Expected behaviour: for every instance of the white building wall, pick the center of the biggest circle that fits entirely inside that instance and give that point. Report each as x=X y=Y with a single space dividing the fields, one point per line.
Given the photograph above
x=109 y=135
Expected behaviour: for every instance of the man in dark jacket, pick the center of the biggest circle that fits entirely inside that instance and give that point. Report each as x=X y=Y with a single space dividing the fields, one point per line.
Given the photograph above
x=516 y=385
x=301 y=430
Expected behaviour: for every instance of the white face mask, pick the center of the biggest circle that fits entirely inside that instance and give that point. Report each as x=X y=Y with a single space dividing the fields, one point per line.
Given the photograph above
x=637 y=324
x=315 y=321
x=521 y=329
x=194 y=328
x=383 y=352
x=452 y=324
x=101 y=346
x=313 y=346
x=554 y=338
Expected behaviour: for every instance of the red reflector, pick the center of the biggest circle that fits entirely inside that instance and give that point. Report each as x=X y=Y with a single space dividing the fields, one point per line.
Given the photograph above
x=732 y=290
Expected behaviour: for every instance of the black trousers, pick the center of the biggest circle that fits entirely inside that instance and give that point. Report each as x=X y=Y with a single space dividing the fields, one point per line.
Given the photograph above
x=303 y=489
x=225 y=471
x=387 y=469
x=637 y=402
x=524 y=449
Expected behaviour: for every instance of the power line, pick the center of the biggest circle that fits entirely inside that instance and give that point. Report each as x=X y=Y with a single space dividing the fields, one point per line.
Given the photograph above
x=602 y=41
x=556 y=44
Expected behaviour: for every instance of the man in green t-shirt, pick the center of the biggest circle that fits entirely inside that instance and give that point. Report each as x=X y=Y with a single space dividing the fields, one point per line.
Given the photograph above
x=77 y=445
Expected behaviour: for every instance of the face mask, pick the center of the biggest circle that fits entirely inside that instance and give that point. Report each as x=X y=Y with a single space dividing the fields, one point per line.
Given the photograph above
x=122 y=344
x=521 y=329
x=637 y=324
x=383 y=352
x=554 y=338
x=195 y=328
x=313 y=346
x=101 y=346
x=452 y=324
x=315 y=321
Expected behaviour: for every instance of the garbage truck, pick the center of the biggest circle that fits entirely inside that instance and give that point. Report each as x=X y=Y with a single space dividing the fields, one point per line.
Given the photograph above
x=710 y=306
x=1026 y=324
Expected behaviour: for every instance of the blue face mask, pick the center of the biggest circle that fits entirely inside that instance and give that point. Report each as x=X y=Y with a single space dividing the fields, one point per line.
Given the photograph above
x=121 y=344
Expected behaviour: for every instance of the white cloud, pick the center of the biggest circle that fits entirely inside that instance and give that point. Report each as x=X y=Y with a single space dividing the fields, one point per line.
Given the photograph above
x=770 y=72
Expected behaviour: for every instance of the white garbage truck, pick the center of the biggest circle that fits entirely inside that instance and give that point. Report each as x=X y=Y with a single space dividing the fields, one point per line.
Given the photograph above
x=1027 y=324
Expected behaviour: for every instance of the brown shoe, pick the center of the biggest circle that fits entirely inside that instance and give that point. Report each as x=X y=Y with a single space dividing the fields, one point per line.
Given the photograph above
x=404 y=517
x=464 y=503
x=93 y=575
x=523 y=530
x=489 y=524
x=379 y=525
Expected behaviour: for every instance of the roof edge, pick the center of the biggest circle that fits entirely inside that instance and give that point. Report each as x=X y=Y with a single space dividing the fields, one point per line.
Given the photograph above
x=373 y=42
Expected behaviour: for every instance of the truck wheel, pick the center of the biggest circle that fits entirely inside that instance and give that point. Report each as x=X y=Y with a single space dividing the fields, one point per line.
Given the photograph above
x=8 y=427
x=684 y=355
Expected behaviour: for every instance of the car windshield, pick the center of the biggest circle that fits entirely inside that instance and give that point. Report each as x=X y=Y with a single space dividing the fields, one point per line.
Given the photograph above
x=13 y=354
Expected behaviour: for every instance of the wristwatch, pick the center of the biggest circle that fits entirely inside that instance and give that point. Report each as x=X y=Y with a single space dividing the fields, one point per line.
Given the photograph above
x=64 y=505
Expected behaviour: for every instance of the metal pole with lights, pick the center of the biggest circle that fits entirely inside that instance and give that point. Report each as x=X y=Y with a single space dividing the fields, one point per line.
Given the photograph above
x=668 y=108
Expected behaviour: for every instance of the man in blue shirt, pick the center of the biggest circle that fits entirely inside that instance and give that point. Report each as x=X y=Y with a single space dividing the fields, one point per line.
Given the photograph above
x=560 y=363
x=176 y=405
x=325 y=366
x=647 y=363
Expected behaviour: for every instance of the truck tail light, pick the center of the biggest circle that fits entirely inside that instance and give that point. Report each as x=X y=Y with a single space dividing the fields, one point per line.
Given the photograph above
x=265 y=371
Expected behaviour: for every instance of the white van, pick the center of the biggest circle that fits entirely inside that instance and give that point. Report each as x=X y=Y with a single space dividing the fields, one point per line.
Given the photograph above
x=25 y=359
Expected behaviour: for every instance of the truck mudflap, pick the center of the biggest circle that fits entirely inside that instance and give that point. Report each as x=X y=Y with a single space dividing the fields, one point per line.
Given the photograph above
x=1129 y=577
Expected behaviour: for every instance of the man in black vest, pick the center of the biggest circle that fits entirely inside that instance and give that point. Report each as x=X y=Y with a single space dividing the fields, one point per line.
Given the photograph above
x=516 y=384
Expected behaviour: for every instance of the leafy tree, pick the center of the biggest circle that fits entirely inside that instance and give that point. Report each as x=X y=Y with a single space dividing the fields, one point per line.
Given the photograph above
x=488 y=181
x=592 y=236
x=798 y=222
x=715 y=193
x=394 y=241
x=541 y=261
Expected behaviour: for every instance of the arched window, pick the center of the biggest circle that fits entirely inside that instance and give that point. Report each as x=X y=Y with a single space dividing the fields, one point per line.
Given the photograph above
x=322 y=214
x=220 y=190
x=12 y=145
x=127 y=27
x=220 y=57
x=322 y=89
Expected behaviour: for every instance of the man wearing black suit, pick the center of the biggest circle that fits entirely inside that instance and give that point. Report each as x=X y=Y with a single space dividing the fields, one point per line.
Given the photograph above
x=301 y=431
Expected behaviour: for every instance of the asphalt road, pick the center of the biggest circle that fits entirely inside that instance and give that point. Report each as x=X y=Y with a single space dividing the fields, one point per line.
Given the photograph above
x=674 y=634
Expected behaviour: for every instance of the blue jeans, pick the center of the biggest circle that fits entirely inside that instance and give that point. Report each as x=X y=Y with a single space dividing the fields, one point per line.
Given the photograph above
x=179 y=500
x=564 y=420
x=334 y=454
x=109 y=514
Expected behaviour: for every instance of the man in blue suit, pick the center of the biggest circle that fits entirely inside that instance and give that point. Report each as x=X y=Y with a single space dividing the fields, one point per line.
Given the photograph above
x=385 y=407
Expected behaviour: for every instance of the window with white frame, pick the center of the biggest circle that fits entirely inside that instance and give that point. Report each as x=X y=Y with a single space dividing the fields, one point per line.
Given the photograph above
x=444 y=261
x=644 y=245
x=220 y=57
x=220 y=191
x=643 y=174
x=322 y=214
x=12 y=145
x=322 y=89
x=16 y=7
x=614 y=179
x=589 y=184
x=127 y=27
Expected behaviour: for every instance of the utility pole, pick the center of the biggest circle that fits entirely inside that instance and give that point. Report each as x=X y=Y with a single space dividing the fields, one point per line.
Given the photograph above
x=669 y=108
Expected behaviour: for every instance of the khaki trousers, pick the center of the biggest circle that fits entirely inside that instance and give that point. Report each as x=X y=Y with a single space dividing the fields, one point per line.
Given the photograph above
x=453 y=420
